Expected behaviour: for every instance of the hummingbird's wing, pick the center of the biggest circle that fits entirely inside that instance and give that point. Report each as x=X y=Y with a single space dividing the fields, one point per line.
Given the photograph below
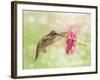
x=42 y=44
x=38 y=50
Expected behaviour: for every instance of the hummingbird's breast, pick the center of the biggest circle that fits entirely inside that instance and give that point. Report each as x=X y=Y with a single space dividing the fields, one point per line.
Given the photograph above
x=49 y=40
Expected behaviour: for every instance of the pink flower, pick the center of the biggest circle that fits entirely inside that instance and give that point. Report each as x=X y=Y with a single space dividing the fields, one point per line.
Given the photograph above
x=71 y=39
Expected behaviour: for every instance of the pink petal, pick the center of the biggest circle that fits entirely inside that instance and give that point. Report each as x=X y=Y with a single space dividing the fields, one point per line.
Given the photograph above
x=71 y=39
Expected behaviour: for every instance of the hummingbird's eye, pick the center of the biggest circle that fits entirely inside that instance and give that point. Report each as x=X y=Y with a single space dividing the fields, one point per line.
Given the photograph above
x=54 y=34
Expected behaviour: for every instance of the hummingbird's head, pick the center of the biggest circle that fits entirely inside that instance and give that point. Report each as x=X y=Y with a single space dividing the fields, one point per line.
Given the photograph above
x=53 y=32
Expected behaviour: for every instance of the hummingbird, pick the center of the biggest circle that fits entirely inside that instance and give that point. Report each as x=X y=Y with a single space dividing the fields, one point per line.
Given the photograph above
x=46 y=41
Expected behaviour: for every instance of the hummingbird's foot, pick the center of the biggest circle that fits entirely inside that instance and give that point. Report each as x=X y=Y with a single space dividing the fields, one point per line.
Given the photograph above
x=44 y=50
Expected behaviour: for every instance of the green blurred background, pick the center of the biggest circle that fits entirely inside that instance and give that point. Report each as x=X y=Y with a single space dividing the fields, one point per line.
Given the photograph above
x=38 y=24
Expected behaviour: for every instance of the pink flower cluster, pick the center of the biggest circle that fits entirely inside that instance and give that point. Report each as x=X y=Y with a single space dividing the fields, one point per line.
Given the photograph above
x=71 y=39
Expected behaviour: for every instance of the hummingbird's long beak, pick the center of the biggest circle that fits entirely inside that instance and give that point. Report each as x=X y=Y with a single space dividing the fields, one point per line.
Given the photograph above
x=63 y=34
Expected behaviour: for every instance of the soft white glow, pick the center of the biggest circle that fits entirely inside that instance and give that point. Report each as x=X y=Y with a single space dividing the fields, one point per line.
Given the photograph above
x=31 y=19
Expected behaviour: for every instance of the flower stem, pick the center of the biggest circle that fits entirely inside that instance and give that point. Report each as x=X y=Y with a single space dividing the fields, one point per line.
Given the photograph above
x=82 y=43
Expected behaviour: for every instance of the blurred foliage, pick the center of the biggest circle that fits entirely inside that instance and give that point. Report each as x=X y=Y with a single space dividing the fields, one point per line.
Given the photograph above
x=37 y=24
